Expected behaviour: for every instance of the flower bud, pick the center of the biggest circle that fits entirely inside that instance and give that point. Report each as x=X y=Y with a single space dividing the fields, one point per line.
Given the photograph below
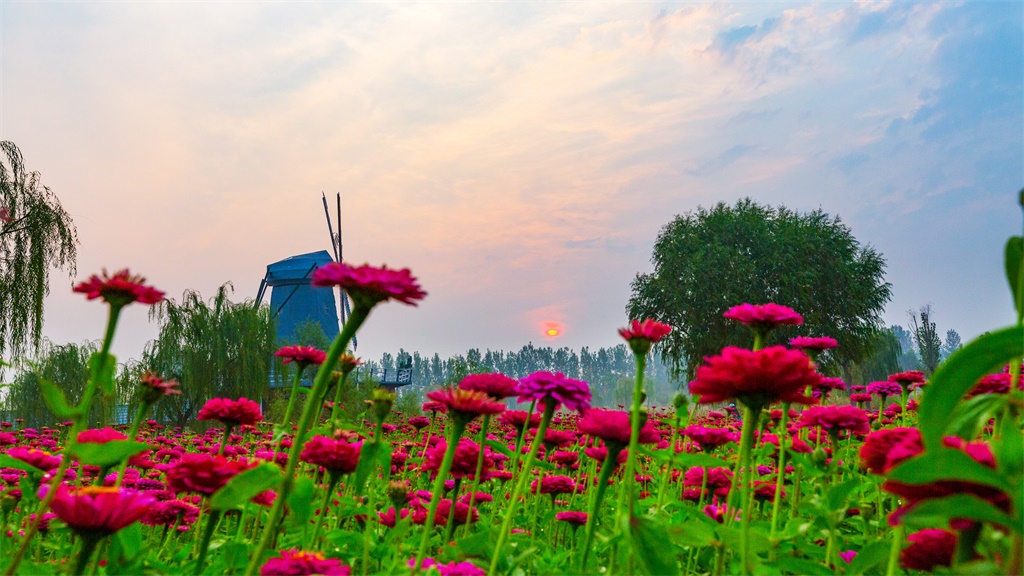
x=382 y=401
x=819 y=456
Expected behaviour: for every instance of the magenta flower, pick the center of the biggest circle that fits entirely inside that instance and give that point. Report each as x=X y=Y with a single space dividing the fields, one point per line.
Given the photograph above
x=613 y=426
x=755 y=378
x=100 y=436
x=231 y=412
x=467 y=404
x=298 y=563
x=153 y=388
x=120 y=289
x=497 y=386
x=641 y=335
x=539 y=386
x=574 y=519
x=710 y=438
x=885 y=388
x=814 y=344
x=301 y=355
x=763 y=317
x=836 y=418
x=368 y=285
x=336 y=456
x=99 y=511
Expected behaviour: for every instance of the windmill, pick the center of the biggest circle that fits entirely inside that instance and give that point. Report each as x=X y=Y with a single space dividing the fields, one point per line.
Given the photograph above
x=336 y=246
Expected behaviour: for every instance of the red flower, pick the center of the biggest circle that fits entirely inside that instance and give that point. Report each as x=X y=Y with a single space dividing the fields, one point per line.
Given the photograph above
x=992 y=384
x=40 y=459
x=120 y=289
x=231 y=412
x=337 y=456
x=348 y=363
x=298 y=563
x=928 y=548
x=466 y=403
x=571 y=518
x=835 y=418
x=755 y=378
x=907 y=378
x=764 y=316
x=710 y=438
x=153 y=388
x=517 y=419
x=539 y=386
x=202 y=473
x=168 y=512
x=497 y=386
x=884 y=449
x=818 y=344
x=100 y=436
x=554 y=485
x=641 y=335
x=368 y=285
x=301 y=355
x=613 y=426
x=99 y=511
x=467 y=452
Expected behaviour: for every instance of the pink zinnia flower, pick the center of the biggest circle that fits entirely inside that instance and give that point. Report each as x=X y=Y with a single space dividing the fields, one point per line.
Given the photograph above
x=539 y=386
x=885 y=388
x=907 y=378
x=497 y=386
x=835 y=418
x=883 y=449
x=710 y=438
x=517 y=419
x=574 y=519
x=550 y=484
x=368 y=285
x=613 y=426
x=202 y=473
x=816 y=344
x=763 y=317
x=40 y=459
x=231 y=412
x=992 y=384
x=755 y=378
x=467 y=452
x=928 y=549
x=98 y=511
x=100 y=436
x=153 y=388
x=336 y=456
x=120 y=289
x=298 y=563
x=301 y=355
x=466 y=403
x=168 y=512
x=641 y=335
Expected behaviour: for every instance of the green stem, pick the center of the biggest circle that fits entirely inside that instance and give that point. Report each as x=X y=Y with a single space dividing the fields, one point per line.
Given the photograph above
x=224 y=439
x=506 y=524
x=629 y=478
x=291 y=406
x=323 y=507
x=894 y=551
x=458 y=426
x=779 y=472
x=479 y=466
x=312 y=408
x=89 y=543
x=337 y=401
x=211 y=525
x=607 y=467
x=140 y=413
x=80 y=420
x=750 y=420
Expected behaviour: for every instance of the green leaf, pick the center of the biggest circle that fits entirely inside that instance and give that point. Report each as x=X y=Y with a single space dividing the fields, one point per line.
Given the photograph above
x=480 y=544
x=648 y=539
x=499 y=447
x=869 y=557
x=838 y=495
x=694 y=532
x=790 y=565
x=946 y=464
x=936 y=512
x=1014 y=256
x=130 y=539
x=246 y=486
x=103 y=372
x=55 y=400
x=108 y=453
x=300 y=501
x=702 y=460
x=971 y=415
x=957 y=375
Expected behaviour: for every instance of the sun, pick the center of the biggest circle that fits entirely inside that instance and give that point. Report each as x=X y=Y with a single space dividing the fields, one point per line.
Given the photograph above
x=551 y=329
x=552 y=332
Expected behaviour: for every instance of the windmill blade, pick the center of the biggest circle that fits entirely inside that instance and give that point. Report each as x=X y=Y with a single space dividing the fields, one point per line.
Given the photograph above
x=330 y=230
x=339 y=254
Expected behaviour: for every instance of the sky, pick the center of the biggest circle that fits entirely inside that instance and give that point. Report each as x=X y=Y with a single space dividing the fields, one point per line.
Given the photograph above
x=520 y=158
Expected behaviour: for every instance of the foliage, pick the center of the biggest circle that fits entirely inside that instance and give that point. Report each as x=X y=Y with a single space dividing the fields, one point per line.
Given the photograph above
x=711 y=259
x=883 y=360
x=66 y=365
x=952 y=343
x=926 y=337
x=214 y=349
x=40 y=236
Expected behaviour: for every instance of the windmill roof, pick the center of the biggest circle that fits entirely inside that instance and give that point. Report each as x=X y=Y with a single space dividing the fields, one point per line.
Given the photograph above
x=296 y=268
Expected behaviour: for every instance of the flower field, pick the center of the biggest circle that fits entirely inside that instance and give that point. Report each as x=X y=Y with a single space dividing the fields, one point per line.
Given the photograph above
x=765 y=467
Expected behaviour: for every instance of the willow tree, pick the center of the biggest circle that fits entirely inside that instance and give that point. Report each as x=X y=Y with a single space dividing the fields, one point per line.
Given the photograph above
x=214 y=349
x=36 y=235
x=66 y=365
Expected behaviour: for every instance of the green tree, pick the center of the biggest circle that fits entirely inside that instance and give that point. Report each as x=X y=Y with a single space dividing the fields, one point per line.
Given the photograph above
x=929 y=344
x=36 y=234
x=952 y=343
x=709 y=260
x=214 y=349
x=883 y=361
x=66 y=365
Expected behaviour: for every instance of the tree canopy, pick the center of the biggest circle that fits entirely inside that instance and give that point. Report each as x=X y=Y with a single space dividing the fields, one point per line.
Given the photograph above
x=708 y=260
x=214 y=349
x=36 y=234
